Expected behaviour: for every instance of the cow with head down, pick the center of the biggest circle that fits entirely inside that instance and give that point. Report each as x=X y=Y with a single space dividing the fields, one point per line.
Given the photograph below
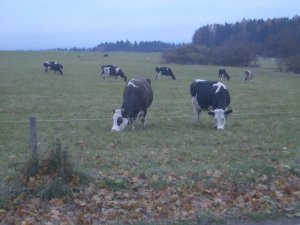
x=164 y=71
x=223 y=74
x=248 y=75
x=54 y=66
x=212 y=96
x=113 y=71
x=137 y=98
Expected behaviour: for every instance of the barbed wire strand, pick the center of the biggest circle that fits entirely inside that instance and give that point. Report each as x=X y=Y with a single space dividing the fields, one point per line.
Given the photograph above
x=148 y=117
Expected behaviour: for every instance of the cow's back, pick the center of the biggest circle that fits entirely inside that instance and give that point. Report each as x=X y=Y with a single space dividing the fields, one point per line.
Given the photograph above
x=210 y=94
x=203 y=92
x=138 y=93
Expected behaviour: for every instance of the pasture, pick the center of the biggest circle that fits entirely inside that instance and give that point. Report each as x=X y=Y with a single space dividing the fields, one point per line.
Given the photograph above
x=77 y=109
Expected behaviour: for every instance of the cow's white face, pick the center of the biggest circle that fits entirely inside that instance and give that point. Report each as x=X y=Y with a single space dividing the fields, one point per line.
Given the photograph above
x=220 y=117
x=119 y=122
x=106 y=70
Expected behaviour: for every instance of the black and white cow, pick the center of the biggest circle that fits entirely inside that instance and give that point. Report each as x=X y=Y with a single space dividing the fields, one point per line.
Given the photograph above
x=112 y=70
x=56 y=67
x=248 y=75
x=137 y=98
x=164 y=71
x=47 y=65
x=212 y=96
x=223 y=74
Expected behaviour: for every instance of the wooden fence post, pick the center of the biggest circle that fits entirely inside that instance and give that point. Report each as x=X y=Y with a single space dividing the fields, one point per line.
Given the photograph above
x=32 y=135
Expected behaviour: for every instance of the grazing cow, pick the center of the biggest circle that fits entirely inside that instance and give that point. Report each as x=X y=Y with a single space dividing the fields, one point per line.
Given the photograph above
x=47 y=65
x=56 y=67
x=137 y=98
x=164 y=71
x=248 y=75
x=112 y=70
x=223 y=73
x=212 y=96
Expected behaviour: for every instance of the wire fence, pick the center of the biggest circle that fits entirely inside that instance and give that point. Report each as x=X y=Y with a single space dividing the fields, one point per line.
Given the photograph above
x=149 y=117
x=16 y=133
x=85 y=136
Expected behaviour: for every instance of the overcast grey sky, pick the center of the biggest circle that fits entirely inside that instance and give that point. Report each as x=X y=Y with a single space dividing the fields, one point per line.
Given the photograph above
x=45 y=24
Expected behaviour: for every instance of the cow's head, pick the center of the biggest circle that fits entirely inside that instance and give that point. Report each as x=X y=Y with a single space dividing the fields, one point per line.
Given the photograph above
x=119 y=120
x=220 y=117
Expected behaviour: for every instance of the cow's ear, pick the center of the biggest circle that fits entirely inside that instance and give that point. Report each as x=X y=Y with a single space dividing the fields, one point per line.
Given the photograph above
x=114 y=111
x=228 y=111
x=211 y=113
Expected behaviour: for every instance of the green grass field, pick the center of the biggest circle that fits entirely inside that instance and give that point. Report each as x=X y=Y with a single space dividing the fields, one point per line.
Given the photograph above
x=77 y=109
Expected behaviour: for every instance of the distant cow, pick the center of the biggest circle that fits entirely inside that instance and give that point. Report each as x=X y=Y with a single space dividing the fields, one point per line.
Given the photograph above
x=112 y=70
x=223 y=74
x=137 y=98
x=56 y=67
x=47 y=65
x=164 y=71
x=248 y=75
x=212 y=96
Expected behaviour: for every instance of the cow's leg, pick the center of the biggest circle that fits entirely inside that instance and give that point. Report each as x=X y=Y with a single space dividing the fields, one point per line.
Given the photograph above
x=159 y=75
x=143 y=115
x=132 y=123
x=196 y=108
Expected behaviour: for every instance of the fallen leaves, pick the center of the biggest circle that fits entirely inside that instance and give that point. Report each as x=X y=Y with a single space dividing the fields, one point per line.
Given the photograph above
x=134 y=198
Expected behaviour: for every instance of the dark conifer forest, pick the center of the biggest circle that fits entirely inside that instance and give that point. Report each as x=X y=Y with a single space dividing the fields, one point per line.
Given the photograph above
x=241 y=44
x=143 y=46
x=271 y=38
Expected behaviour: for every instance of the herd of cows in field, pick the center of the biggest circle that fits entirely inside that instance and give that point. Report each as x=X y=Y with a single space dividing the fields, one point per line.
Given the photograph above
x=212 y=96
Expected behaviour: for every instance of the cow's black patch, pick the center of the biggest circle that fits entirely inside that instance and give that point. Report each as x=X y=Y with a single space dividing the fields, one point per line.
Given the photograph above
x=119 y=121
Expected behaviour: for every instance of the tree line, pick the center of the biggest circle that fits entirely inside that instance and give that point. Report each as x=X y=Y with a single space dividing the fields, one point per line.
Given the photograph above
x=272 y=38
x=229 y=44
x=240 y=44
x=127 y=46
x=143 y=46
